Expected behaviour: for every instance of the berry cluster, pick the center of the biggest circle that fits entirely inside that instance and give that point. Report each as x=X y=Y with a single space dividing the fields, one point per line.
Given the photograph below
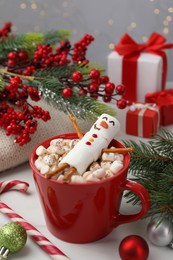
x=95 y=86
x=45 y=57
x=5 y=30
x=80 y=48
x=17 y=116
x=15 y=57
x=20 y=122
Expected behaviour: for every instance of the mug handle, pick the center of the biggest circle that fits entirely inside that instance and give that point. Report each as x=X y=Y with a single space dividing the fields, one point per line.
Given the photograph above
x=143 y=195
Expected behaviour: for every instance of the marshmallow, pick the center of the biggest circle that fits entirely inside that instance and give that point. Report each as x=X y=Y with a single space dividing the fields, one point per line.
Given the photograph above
x=72 y=143
x=108 y=157
x=77 y=178
x=91 y=177
x=105 y=165
x=94 y=166
x=53 y=149
x=85 y=175
x=109 y=173
x=50 y=159
x=99 y=173
x=119 y=157
x=116 y=166
x=44 y=169
x=41 y=150
x=39 y=163
x=60 y=178
x=57 y=142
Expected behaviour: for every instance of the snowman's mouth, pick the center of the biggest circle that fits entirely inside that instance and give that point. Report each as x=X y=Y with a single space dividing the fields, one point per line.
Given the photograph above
x=95 y=127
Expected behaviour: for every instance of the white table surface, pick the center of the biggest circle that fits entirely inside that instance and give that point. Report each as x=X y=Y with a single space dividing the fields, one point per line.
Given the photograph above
x=28 y=206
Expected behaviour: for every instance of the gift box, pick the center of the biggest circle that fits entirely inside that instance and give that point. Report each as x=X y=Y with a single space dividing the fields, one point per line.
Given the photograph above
x=163 y=99
x=142 y=68
x=143 y=120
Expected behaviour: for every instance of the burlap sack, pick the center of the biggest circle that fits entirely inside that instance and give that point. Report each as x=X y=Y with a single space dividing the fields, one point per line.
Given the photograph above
x=12 y=155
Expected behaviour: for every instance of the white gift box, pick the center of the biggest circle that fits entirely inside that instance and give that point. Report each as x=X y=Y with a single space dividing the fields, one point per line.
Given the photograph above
x=149 y=73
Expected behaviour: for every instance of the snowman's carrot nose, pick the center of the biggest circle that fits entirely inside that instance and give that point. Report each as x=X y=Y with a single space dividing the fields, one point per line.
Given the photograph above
x=104 y=124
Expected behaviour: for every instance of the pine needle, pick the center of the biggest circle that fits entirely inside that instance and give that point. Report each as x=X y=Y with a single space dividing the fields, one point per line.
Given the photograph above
x=152 y=166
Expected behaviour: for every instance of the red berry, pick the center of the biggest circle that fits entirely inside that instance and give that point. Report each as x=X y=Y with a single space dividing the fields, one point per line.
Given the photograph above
x=93 y=87
x=97 y=81
x=67 y=92
x=94 y=74
x=121 y=103
x=109 y=87
x=82 y=91
x=94 y=95
x=120 y=89
x=12 y=55
x=107 y=99
x=77 y=76
x=11 y=62
x=105 y=79
x=129 y=102
x=23 y=55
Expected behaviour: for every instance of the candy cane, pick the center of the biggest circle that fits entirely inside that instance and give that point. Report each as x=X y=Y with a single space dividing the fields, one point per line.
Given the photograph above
x=42 y=241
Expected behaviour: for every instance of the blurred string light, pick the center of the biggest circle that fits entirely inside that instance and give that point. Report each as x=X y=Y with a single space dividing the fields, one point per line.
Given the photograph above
x=163 y=13
x=167 y=18
x=25 y=5
x=63 y=9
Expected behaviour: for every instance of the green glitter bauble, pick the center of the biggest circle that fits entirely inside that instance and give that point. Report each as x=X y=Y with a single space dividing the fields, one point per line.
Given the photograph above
x=13 y=237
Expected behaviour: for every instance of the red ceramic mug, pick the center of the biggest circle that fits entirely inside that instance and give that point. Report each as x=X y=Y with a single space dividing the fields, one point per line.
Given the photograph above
x=85 y=212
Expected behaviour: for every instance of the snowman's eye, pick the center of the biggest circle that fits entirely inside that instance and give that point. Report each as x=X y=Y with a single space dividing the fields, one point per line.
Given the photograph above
x=112 y=122
x=105 y=118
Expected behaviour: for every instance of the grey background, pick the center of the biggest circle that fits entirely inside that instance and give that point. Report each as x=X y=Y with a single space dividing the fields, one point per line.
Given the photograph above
x=107 y=21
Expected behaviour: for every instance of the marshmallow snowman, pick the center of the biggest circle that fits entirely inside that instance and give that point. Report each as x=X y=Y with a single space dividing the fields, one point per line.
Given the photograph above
x=89 y=148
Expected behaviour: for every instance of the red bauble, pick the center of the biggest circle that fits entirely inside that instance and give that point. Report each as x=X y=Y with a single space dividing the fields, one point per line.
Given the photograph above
x=133 y=248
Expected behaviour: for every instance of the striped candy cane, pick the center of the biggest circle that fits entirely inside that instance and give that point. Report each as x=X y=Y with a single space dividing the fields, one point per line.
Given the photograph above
x=42 y=241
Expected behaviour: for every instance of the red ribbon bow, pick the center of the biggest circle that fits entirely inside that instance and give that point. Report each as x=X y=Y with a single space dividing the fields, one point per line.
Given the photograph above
x=131 y=52
x=161 y=98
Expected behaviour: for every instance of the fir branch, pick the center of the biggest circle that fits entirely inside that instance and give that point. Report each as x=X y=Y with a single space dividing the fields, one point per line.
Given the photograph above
x=55 y=72
x=51 y=37
x=86 y=68
x=152 y=166
x=164 y=143
x=67 y=70
x=81 y=107
x=2 y=83
x=145 y=158
x=30 y=40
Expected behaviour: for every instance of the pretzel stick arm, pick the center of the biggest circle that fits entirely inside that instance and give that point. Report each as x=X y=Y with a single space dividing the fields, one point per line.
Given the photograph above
x=117 y=150
x=68 y=175
x=75 y=125
x=60 y=168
